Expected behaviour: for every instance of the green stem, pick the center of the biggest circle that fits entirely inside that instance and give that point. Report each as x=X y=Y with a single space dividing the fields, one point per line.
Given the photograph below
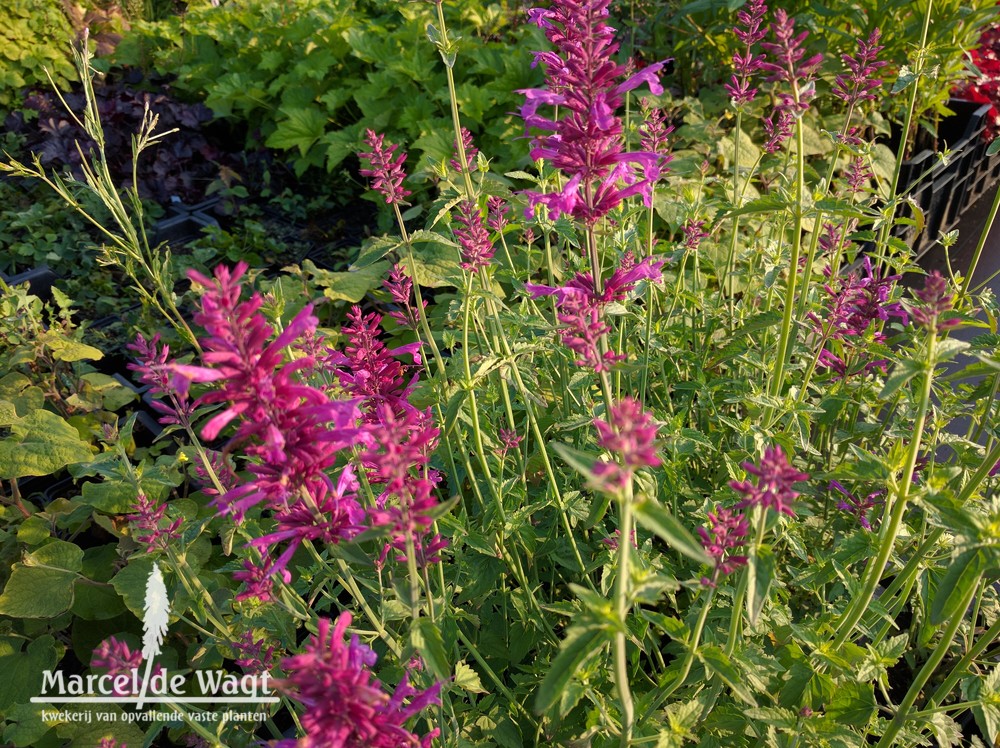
x=873 y=574
x=962 y=666
x=622 y=607
x=903 y=710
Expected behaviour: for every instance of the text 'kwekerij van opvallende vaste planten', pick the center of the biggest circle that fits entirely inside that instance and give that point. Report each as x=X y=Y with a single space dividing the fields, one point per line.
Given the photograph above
x=645 y=430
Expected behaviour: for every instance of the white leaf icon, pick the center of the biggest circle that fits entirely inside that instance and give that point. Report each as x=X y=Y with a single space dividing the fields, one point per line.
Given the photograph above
x=156 y=616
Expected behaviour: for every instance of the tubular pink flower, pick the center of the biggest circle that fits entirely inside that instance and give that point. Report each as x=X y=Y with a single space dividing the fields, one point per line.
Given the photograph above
x=579 y=309
x=477 y=249
x=372 y=372
x=935 y=301
x=151 y=366
x=583 y=81
x=149 y=527
x=345 y=706
x=749 y=31
x=773 y=489
x=385 y=169
x=400 y=287
x=399 y=466
x=861 y=83
x=251 y=655
x=726 y=532
x=470 y=153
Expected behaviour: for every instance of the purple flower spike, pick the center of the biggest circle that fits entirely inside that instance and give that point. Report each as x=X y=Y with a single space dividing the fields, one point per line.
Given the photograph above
x=934 y=302
x=861 y=83
x=750 y=31
x=345 y=705
x=726 y=532
x=386 y=169
x=852 y=505
x=773 y=489
x=587 y=142
x=477 y=249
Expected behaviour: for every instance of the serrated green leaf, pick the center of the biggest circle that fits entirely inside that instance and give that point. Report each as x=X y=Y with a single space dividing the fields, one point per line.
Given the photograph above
x=349 y=286
x=716 y=661
x=853 y=704
x=300 y=128
x=903 y=372
x=468 y=679
x=374 y=250
x=23 y=669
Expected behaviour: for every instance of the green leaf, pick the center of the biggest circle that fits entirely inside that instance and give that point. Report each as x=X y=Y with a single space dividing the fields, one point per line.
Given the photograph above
x=716 y=661
x=581 y=646
x=582 y=462
x=963 y=573
x=58 y=554
x=468 y=679
x=130 y=583
x=903 y=372
x=65 y=349
x=426 y=637
x=350 y=286
x=760 y=577
x=35 y=592
x=40 y=444
x=301 y=128
x=656 y=518
x=22 y=670
x=853 y=704
x=904 y=79
x=374 y=250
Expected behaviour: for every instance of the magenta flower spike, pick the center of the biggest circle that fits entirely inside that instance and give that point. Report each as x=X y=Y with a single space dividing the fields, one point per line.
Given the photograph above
x=477 y=249
x=726 y=532
x=148 y=521
x=345 y=705
x=385 y=169
x=934 y=301
x=860 y=84
x=400 y=288
x=773 y=489
x=629 y=433
x=470 y=153
x=749 y=31
x=586 y=143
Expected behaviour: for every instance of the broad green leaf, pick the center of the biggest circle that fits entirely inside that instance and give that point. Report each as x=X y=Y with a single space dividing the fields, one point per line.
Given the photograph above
x=58 y=554
x=656 y=518
x=426 y=638
x=301 y=128
x=853 y=703
x=963 y=574
x=65 y=349
x=374 y=250
x=350 y=286
x=572 y=654
x=435 y=262
x=22 y=671
x=35 y=592
x=130 y=583
x=40 y=444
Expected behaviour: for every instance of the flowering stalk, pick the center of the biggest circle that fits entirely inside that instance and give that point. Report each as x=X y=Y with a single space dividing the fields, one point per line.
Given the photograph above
x=895 y=506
